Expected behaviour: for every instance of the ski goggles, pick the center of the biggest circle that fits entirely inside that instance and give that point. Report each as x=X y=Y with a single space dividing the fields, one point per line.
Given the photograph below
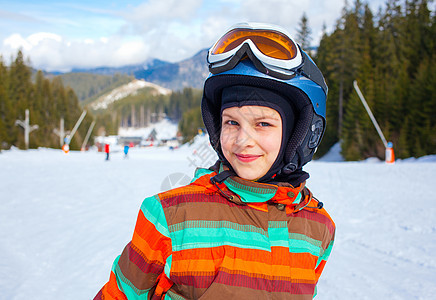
x=270 y=48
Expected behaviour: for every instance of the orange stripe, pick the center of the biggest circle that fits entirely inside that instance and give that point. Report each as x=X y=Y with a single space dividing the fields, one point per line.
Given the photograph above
x=249 y=261
x=201 y=185
x=279 y=256
x=110 y=289
x=154 y=245
x=265 y=270
x=318 y=270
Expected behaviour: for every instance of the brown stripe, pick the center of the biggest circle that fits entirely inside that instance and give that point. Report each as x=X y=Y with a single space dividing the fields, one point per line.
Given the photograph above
x=216 y=211
x=224 y=291
x=135 y=274
x=310 y=215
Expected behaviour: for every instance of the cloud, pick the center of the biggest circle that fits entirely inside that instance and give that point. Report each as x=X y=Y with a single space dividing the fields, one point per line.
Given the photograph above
x=170 y=30
x=158 y=14
x=52 y=53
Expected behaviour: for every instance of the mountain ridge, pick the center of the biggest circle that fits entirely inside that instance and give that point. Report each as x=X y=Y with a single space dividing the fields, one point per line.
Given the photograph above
x=190 y=72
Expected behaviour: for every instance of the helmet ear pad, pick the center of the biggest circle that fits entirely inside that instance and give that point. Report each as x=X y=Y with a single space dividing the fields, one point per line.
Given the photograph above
x=297 y=151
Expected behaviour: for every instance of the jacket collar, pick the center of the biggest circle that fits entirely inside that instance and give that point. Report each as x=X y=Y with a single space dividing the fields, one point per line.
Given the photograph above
x=253 y=193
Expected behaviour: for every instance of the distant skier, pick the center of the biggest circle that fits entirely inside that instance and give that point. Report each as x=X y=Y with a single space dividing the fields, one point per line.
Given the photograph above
x=126 y=150
x=106 y=149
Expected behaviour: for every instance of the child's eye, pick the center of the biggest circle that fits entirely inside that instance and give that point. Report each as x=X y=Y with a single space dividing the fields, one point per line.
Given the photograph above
x=231 y=122
x=264 y=124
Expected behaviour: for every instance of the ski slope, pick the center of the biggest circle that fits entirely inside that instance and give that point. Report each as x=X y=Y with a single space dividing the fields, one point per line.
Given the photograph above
x=65 y=217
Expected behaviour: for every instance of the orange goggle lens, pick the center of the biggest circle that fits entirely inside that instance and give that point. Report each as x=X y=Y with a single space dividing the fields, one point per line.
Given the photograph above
x=271 y=43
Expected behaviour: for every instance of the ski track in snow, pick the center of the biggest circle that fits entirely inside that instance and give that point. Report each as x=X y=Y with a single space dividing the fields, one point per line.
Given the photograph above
x=64 y=219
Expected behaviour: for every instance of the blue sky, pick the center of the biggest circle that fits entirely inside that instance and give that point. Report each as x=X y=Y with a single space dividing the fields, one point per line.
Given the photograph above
x=59 y=35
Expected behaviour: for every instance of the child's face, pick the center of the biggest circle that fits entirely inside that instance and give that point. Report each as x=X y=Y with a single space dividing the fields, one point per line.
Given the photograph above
x=251 y=137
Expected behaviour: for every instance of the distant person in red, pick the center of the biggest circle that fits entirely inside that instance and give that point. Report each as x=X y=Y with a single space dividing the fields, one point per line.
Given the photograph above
x=106 y=149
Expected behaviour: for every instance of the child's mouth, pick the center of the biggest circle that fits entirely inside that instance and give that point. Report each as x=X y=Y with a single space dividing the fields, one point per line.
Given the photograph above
x=247 y=157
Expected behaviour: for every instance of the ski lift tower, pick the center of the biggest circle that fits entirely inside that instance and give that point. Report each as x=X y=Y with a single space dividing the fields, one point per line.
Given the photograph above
x=27 y=128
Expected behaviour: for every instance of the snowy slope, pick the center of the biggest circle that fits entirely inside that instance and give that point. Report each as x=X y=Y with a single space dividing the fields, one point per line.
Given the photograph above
x=64 y=219
x=125 y=90
x=165 y=129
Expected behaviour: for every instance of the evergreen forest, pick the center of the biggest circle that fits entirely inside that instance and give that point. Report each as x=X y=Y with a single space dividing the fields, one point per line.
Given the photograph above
x=48 y=101
x=392 y=56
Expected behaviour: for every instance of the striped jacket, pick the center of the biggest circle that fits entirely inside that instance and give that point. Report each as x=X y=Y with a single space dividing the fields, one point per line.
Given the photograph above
x=235 y=240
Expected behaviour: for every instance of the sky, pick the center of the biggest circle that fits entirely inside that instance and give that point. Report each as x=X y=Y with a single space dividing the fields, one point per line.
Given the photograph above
x=60 y=35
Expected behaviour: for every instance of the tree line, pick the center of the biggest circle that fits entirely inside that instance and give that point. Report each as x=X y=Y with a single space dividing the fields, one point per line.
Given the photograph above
x=392 y=57
x=48 y=101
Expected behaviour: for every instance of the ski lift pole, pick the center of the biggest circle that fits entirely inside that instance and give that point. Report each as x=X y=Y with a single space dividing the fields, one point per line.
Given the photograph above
x=88 y=134
x=389 y=151
x=70 y=137
x=368 y=110
x=60 y=132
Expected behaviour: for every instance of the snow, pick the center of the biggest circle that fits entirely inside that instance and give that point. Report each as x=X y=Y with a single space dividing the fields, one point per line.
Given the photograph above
x=125 y=90
x=334 y=154
x=165 y=130
x=65 y=217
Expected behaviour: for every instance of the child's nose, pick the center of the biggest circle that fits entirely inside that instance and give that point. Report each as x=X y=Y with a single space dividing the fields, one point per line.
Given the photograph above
x=244 y=138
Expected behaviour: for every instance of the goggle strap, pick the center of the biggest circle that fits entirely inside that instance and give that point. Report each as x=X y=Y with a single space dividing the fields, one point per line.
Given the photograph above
x=311 y=71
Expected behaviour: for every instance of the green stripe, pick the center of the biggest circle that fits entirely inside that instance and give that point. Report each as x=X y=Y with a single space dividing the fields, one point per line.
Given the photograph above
x=279 y=236
x=297 y=199
x=153 y=212
x=300 y=243
x=216 y=224
x=326 y=254
x=190 y=238
x=305 y=238
x=249 y=193
x=200 y=172
x=168 y=263
x=125 y=284
x=297 y=243
x=278 y=233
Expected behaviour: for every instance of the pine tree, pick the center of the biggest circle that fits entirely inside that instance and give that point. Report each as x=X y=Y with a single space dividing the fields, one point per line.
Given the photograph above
x=19 y=91
x=304 y=33
x=5 y=121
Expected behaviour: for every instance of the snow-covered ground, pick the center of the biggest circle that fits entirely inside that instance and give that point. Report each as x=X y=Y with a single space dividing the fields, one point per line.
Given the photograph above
x=65 y=217
x=165 y=130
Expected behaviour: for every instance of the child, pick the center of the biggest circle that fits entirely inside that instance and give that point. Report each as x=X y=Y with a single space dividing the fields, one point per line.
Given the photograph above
x=247 y=228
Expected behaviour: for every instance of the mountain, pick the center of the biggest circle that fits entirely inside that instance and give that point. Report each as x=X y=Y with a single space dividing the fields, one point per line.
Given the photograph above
x=128 y=70
x=190 y=72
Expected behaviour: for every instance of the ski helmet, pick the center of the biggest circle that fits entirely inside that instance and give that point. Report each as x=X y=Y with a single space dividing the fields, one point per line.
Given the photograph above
x=247 y=56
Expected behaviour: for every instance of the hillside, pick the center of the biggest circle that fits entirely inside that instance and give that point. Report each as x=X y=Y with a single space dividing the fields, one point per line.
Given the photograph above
x=88 y=85
x=125 y=90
